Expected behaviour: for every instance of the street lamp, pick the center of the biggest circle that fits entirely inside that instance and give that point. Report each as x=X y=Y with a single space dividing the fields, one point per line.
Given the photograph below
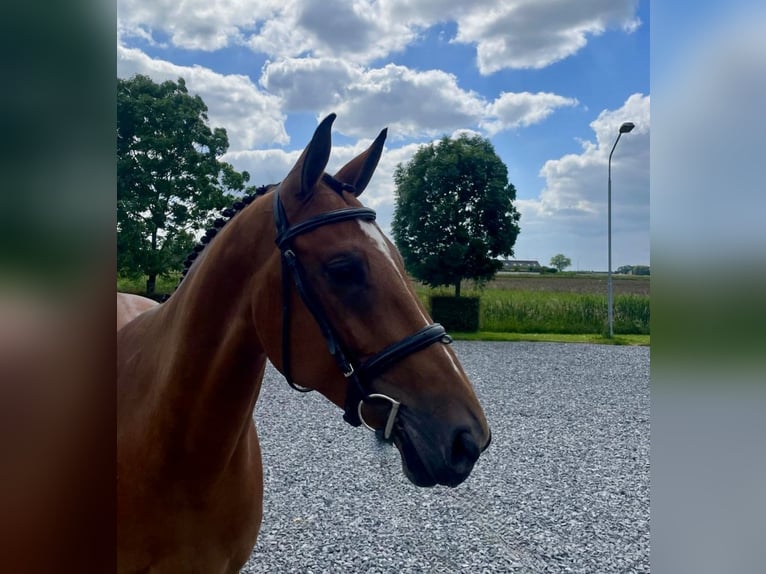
x=624 y=129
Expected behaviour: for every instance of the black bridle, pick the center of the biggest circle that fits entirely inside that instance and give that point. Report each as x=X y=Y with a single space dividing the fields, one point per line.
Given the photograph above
x=359 y=375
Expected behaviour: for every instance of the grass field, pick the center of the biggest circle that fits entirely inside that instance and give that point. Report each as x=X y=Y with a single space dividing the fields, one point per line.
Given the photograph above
x=568 y=282
x=634 y=340
x=534 y=307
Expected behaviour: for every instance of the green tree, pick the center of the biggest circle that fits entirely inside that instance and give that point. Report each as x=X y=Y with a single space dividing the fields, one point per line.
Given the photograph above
x=560 y=261
x=169 y=177
x=454 y=212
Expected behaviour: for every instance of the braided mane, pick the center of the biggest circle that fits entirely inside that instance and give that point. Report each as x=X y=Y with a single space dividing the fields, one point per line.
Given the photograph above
x=227 y=214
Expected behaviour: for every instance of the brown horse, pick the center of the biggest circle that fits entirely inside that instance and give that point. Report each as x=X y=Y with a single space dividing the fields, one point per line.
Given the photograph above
x=299 y=270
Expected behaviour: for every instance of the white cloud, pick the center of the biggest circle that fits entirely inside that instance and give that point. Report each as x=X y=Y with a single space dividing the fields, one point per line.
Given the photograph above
x=574 y=200
x=358 y=30
x=265 y=166
x=511 y=34
x=193 y=24
x=279 y=36
x=251 y=117
x=354 y=30
x=414 y=104
x=309 y=84
x=535 y=33
x=513 y=110
x=411 y=103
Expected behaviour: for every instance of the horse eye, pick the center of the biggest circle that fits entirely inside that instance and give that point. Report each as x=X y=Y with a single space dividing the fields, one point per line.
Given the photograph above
x=345 y=272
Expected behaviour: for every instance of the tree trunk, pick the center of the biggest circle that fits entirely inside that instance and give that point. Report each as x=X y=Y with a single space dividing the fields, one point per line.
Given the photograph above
x=151 y=282
x=457 y=288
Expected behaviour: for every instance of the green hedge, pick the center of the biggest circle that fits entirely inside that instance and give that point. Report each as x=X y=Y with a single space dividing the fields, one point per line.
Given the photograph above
x=456 y=313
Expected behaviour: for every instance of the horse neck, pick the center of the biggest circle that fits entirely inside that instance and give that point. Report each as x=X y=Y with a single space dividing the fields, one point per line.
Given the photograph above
x=213 y=360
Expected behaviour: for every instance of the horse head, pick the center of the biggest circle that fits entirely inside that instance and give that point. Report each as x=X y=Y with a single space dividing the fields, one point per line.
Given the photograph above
x=336 y=283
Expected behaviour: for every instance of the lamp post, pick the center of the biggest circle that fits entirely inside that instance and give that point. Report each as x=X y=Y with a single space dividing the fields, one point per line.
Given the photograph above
x=624 y=129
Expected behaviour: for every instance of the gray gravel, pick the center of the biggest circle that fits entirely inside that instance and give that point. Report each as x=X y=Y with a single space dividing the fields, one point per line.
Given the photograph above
x=564 y=487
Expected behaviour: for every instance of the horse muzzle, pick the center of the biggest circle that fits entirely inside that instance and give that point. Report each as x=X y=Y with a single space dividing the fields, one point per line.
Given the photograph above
x=433 y=454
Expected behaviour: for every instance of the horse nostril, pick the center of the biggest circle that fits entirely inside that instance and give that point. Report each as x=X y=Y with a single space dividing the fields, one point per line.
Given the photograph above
x=465 y=450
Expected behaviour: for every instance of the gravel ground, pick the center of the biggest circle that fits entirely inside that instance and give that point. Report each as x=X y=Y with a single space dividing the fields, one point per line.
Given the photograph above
x=564 y=487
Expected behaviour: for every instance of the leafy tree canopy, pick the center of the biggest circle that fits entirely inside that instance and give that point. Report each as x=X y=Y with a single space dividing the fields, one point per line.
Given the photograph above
x=560 y=261
x=454 y=212
x=169 y=177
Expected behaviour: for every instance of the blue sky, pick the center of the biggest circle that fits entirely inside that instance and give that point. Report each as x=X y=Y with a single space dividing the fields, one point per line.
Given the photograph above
x=549 y=82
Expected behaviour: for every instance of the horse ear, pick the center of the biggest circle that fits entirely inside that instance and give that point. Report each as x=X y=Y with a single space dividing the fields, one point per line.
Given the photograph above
x=314 y=158
x=359 y=170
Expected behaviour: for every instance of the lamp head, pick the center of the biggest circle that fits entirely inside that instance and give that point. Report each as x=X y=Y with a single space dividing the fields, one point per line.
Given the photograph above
x=627 y=127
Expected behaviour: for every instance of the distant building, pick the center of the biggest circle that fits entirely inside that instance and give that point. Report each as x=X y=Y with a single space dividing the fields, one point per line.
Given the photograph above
x=520 y=265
